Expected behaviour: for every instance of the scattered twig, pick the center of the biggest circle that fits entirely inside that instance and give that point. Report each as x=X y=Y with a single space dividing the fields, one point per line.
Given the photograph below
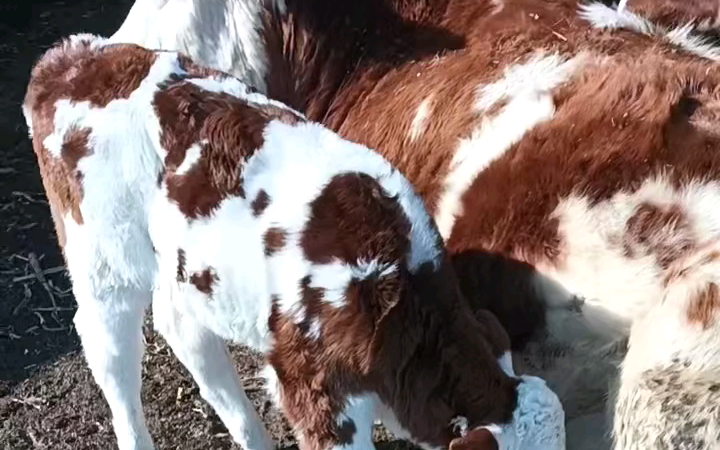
x=9 y=331
x=59 y=308
x=47 y=328
x=24 y=301
x=6 y=170
x=35 y=402
x=27 y=226
x=559 y=36
x=35 y=265
x=17 y=256
x=45 y=272
x=28 y=197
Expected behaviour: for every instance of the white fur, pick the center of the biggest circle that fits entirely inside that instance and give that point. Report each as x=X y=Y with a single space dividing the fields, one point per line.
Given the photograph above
x=28 y=120
x=528 y=90
x=222 y=34
x=596 y=265
x=417 y=126
x=602 y=16
x=621 y=6
x=361 y=409
x=506 y=363
x=538 y=422
x=191 y=157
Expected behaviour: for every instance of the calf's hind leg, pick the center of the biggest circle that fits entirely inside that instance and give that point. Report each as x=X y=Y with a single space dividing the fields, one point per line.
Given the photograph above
x=205 y=356
x=109 y=322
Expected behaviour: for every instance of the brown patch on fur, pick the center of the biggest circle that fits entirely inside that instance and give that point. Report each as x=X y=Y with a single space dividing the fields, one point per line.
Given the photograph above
x=283 y=115
x=674 y=13
x=230 y=131
x=703 y=307
x=275 y=316
x=261 y=202
x=182 y=260
x=311 y=299
x=274 y=239
x=204 y=280
x=703 y=255
x=197 y=71
x=442 y=346
x=77 y=73
x=75 y=147
x=479 y=439
x=339 y=228
x=664 y=232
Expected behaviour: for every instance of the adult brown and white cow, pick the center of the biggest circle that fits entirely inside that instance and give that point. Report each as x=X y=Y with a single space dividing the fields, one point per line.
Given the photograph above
x=669 y=394
x=241 y=220
x=565 y=150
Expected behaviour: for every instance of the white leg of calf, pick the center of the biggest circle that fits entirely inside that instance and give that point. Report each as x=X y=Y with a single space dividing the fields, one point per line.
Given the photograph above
x=356 y=422
x=110 y=328
x=205 y=356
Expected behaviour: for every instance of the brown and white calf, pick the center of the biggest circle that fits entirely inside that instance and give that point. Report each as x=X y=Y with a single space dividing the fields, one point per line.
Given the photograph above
x=567 y=151
x=241 y=220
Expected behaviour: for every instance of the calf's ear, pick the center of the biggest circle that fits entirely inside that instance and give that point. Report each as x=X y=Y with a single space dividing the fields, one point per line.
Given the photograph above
x=477 y=439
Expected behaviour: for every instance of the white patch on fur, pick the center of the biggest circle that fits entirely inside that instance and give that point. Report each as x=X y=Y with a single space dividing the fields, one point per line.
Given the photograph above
x=665 y=345
x=528 y=89
x=595 y=264
x=498 y=5
x=417 y=126
x=96 y=42
x=222 y=34
x=27 y=114
x=602 y=16
x=361 y=410
x=314 y=330
x=622 y=6
x=272 y=384
x=666 y=332
x=459 y=425
x=506 y=363
x=334 y=279
x=538 y=421
x=68 y=116
x=192 y=155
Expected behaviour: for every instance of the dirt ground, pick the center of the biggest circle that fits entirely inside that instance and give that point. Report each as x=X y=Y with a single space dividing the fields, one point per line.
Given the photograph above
x=48 y=399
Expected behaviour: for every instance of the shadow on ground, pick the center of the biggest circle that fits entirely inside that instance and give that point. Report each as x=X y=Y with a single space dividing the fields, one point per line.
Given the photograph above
x=48 y=399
